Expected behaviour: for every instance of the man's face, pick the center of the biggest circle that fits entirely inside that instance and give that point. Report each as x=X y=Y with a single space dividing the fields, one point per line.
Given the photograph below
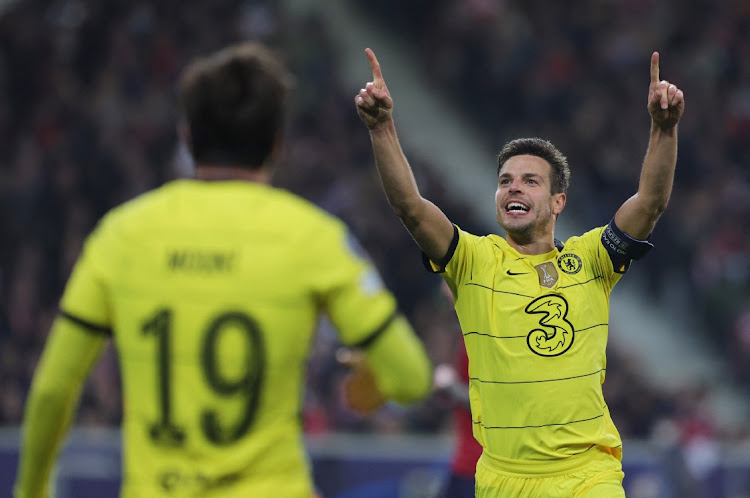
x=526 y=208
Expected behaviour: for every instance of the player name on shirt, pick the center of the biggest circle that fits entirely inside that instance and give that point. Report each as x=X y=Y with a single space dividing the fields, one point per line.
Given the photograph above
x=191 y=260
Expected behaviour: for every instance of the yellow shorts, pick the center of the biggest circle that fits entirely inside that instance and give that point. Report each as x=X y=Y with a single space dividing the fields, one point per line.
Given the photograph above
x=594 y=474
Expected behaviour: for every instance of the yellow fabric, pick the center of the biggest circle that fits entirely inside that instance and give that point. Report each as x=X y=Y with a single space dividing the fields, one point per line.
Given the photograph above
x=536 y=354
x=62 y=370
x=213 y=291
x=397 y=359
x=597 y=474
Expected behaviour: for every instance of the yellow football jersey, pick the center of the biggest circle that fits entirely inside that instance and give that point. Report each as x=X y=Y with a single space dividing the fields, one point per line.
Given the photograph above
x=535 y=329
x=212 y=292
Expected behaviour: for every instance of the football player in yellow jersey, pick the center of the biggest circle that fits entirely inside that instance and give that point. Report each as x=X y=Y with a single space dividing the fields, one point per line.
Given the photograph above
x=534 y=312
x=211 y=289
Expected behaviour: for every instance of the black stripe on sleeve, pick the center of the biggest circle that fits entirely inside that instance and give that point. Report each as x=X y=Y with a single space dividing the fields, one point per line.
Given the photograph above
x=448 y=255
x=373 y=336
x=85 y=324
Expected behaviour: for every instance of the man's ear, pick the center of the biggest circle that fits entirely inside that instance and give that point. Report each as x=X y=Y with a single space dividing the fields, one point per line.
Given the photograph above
x=558 y=203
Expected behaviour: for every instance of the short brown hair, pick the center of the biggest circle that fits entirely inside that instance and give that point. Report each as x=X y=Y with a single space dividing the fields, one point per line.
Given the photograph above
x=234 y=102
x=559 y=169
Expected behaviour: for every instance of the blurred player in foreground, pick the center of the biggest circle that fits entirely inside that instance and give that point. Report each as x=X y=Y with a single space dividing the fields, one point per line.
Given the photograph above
x=534 y=311
x=210 y=288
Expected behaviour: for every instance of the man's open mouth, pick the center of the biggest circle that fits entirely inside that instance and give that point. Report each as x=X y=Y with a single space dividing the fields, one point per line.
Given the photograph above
x=516 y=207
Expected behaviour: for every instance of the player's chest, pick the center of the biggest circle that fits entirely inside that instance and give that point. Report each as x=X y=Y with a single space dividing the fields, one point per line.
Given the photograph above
x=540 y=307
x=558 y=275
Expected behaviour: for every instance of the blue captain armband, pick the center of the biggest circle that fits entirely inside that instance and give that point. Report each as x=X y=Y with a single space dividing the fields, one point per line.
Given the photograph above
x=623 y=248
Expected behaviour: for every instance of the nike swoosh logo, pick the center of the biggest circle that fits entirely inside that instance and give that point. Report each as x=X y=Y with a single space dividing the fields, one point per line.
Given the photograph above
x=514 y=273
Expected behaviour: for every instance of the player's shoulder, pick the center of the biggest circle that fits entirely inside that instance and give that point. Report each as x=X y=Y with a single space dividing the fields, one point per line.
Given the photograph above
x=482 y=248
x=468 y=237
x=308 y=223
x=180 y=202
x=147 y=208
x=489 y=244
x=497 y=243
x=589 y=240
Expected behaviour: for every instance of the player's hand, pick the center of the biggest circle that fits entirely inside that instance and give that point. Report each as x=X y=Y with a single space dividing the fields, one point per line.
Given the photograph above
x=374 y=102
x=666 y=102
x=361 y=392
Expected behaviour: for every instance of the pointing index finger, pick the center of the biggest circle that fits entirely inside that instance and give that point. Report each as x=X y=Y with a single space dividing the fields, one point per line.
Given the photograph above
x=655 y=68
x=377 y=75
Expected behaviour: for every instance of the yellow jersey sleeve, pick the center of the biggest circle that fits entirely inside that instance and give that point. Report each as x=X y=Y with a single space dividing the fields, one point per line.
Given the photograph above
x=86 y=299
x=350 y=288
x=365 y=315
x=472 y=255
x=591 y=244
x=400 y=363
x=68 y=357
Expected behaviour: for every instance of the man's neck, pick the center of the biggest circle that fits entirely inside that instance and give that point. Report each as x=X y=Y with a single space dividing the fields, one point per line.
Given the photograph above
x=536 y=247
x=540 y=242
x=223 y=173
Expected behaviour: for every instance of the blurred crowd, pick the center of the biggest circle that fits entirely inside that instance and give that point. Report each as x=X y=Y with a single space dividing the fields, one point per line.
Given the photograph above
x=88 y=120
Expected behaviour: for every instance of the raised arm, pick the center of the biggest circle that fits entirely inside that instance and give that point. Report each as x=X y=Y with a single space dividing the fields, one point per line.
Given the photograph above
x=639 y=214
x=426 y=223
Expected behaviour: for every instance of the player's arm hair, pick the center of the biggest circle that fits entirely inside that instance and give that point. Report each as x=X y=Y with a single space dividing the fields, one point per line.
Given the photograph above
x=639 y=214
x=427 y=224
x=68 y=357
x=399 y=362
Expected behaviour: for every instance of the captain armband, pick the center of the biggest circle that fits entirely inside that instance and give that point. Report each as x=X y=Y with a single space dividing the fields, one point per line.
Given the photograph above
x=622 y=248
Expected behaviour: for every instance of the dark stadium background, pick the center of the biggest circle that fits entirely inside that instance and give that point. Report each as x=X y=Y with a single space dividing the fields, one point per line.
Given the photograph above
x=87 y=120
